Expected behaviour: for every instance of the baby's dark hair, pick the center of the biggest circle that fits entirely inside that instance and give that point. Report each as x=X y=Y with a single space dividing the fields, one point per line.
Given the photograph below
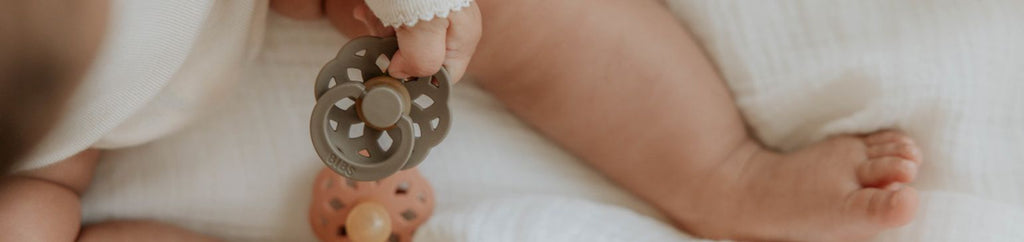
x=45 y=49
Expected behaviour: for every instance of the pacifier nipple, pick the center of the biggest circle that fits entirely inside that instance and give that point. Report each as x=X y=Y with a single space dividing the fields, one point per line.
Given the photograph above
x=368 y=222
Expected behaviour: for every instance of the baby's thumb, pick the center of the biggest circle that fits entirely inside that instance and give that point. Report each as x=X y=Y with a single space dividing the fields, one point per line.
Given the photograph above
x=463 y=36
x=421 y=51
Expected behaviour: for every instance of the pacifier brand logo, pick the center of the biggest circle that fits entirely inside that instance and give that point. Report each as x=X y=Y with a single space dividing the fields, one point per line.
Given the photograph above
x=338 y=165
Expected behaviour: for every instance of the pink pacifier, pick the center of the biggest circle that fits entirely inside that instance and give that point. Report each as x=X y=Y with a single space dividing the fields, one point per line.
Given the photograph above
x=386 y=210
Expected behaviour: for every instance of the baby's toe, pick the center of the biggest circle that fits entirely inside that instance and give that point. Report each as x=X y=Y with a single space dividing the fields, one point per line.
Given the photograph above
x=892 y=143
x=880 y=172
x=882 y=207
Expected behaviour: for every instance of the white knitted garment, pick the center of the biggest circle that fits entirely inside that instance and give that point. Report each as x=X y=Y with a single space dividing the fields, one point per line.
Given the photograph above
x=395 y=13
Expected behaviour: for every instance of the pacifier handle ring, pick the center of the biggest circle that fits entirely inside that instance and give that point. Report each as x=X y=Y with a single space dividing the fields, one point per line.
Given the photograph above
x=348 y=164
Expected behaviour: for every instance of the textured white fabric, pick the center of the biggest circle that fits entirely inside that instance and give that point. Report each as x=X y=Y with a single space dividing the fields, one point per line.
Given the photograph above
x=543 y=218
x=946 y=72
x=160 y=63
x=396 y=13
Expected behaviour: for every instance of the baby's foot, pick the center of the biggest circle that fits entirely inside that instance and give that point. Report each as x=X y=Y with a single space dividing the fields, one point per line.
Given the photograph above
x=845 y=188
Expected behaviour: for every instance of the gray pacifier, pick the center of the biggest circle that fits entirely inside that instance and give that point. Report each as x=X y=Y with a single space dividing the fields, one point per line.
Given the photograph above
x=367 y=125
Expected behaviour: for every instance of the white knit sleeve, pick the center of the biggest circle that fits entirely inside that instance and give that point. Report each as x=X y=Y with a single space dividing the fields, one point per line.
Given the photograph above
x=395 y=13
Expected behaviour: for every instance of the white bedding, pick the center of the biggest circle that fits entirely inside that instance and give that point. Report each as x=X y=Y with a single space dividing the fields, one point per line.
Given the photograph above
x=948 y=74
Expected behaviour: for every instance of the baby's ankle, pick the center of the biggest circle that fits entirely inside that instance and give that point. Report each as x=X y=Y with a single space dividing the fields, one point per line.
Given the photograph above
x=712 y=208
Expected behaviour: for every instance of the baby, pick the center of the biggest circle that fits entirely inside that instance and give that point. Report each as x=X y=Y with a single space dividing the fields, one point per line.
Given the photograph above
x=617 y=82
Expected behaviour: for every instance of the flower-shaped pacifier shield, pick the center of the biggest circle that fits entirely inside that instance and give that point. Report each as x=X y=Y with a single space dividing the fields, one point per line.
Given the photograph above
x=367 y=125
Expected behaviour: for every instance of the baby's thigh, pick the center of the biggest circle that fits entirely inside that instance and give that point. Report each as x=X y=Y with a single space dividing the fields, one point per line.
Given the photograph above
x=536 y=33
x=562 y=39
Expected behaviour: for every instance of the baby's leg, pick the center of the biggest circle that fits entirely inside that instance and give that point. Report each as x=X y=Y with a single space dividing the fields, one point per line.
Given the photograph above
x=44 y=205
x=622 y=85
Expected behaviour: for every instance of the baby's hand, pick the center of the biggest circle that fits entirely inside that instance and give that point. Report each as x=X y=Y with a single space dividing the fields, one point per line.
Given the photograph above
x=424 y=47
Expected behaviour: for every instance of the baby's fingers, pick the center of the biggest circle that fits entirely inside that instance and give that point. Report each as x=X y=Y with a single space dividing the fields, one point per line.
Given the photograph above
x=463 y=36
x=421 y=50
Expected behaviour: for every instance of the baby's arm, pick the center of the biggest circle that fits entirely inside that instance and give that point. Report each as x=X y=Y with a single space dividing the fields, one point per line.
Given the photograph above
x=44 y=204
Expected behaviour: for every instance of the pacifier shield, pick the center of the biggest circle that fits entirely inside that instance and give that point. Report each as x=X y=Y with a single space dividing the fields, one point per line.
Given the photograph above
x=366 y=125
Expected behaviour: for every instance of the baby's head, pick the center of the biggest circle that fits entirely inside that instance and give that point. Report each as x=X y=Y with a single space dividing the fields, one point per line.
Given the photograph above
x=45 y=50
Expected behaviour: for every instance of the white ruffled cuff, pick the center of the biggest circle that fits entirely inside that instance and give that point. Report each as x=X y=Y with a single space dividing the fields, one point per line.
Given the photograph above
x=395 y=13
